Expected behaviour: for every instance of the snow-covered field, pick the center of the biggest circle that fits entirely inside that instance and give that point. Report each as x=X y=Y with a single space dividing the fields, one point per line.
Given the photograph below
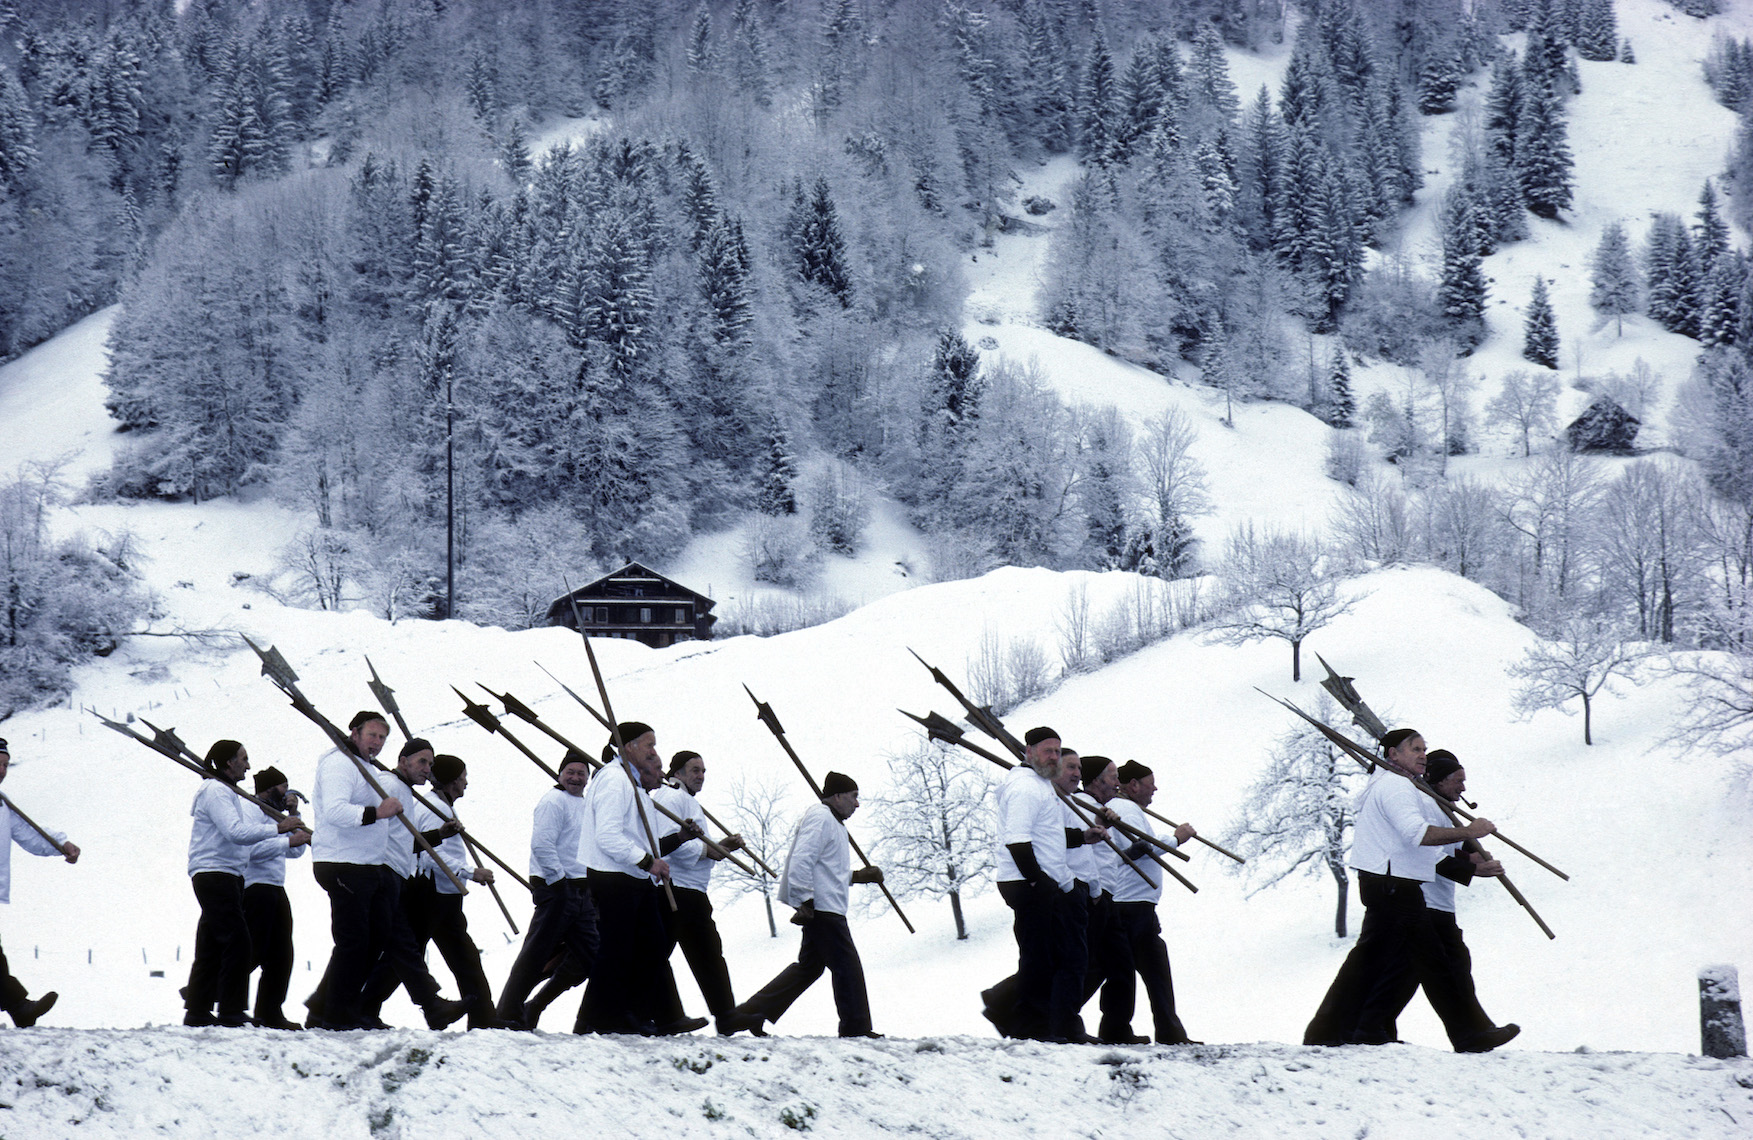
x=1657 y=845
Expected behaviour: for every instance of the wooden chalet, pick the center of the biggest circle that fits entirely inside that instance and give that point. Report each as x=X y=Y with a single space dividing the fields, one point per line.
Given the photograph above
x=636 y=602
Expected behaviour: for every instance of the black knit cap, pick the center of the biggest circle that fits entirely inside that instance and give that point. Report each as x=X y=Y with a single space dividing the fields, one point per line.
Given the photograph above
x=1395 y=737
x=1440 y=765
x=680 y=760
x=364 y=717
x=1092 y=767
x=632 y=730
x=446 y=768
x=1035 y=735
x=415 y=744
x=269 y=777
x=836 y=782
x=574 y=756
x=1133 y=770
x=222 y=753
x=3 y=747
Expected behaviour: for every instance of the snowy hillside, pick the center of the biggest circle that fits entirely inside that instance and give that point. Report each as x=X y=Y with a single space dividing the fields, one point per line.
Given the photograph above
x=1657 y=845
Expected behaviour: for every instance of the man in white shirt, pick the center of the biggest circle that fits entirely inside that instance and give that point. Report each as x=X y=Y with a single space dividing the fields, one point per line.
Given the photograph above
x=1035 y=879
x=444 y=923
x=1460 y=863
x=628 y=990
x=691 y=926
x=403 y=961
x=223 y=831
x=565 y=918
x=1394 y=851
x=266 y=909
x=818 y=871
x=14 y=998
x=349 y=847
x=1135 y=942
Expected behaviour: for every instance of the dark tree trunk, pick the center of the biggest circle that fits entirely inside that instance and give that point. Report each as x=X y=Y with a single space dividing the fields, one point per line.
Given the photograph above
x=772 y=927
x=1587 y=737
x=1296 y=659
x=1344 y=894
x=956 y=909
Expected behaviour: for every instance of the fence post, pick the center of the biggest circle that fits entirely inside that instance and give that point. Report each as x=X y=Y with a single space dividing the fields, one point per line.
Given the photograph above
x=1719 y=1012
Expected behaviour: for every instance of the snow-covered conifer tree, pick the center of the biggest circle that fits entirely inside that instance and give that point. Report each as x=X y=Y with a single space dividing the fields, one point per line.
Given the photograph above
x=1614 y=285
x=1540 y=329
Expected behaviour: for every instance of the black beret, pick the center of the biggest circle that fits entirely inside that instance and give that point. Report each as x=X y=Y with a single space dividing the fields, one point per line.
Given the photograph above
x=269 y=777
x=1440 y=765
x=836 y=782
x=415 y=744
x=1093 y=767
x=446 y=768
x=1035 y=735
x=1133 y=770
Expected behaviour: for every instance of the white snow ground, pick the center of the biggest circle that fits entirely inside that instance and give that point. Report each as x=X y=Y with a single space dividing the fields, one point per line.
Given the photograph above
x=1657 y=845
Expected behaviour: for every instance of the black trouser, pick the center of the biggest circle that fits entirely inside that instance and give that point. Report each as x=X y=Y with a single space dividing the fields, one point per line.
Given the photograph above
x=403 y=961
x=448 y=930
x=564 y=922
x=1469 y=1019
x=827 y=945
x=624 y=994
x=1098 y=933
x=361 y=912
x=269 y=916
x=1136 y=949
x=1042 y=998
x=13 y=995
x=221 y=968
x=1397 y=951
x=691 y=927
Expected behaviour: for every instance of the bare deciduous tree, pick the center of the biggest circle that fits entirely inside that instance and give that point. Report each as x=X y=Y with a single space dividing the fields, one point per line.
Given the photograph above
x=1297 y=815
x=1276 y=584
x=937 y=825
x=764 y=823
x=1527 y=405
x=1584 y=654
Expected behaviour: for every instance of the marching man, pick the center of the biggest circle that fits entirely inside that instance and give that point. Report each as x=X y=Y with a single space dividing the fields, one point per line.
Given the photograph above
x=818 y=870
x=15 y=829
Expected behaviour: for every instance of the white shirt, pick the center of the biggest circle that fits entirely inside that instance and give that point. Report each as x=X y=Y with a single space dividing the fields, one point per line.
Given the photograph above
x=1120 y=881
x=614 y=836
x=1029 y=812
x=556 y=834
x=1388 y=836
x=1439 y=893
x=339 y=832
x=267 y=861
x=401 y=853
x=452 y=850
x=221 y=835
x=690 y=866
x=819 y=864
x=26 y=837
x=1086 y=859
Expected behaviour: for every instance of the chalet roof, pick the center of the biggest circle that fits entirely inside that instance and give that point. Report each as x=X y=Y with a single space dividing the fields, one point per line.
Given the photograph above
x=633 y=574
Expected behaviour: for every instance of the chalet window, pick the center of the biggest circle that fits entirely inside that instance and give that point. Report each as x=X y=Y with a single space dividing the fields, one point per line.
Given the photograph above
x=602 y=615
x=681 y=616
x=639 y=591
x=645 y=616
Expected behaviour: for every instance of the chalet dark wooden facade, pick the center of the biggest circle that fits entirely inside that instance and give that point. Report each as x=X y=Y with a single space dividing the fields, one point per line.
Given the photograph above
x=638 y=603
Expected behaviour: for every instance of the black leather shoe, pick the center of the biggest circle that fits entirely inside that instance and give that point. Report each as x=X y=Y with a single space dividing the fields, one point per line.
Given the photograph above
x=199 y=1018
x=682 y=1025
x=735 y=1022
x=276 y=1021
x=871 y=1033
x=444 y=1011
x=26 y=1015
x=1490 y=1039
x=1123 y=1039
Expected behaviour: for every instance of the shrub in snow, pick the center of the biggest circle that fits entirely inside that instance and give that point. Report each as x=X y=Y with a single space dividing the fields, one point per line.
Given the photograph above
x=778 y=550
x=839 y=504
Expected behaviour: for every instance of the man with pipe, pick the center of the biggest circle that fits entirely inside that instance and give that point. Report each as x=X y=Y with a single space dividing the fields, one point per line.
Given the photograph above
x=14 y=828
x=221 y=836
x=1394 y=850
x=266 y=909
